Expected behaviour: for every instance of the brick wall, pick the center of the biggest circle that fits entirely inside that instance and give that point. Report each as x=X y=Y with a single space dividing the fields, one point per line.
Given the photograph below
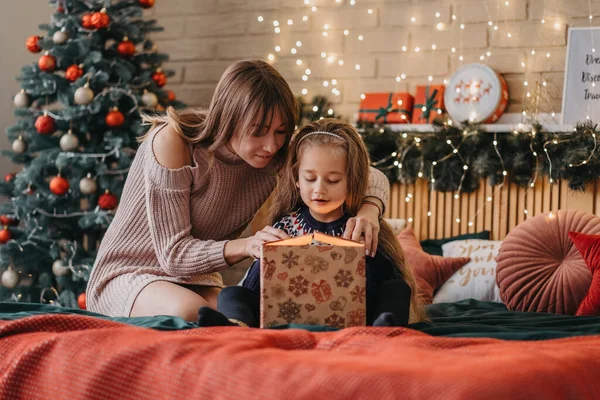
x=203 y=37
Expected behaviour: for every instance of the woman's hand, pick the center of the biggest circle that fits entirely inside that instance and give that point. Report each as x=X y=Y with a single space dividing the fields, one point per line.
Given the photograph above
x=267 y=234
x=365 y=224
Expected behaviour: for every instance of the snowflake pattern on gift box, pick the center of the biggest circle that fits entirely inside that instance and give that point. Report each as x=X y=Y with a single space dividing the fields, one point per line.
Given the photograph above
x=317 y=264
x=335 y=321
x=290 y=259
x=298 y=286
x=278 y=291
x=289 y=310
x=312 y=321
x=356 y=318
x=343 y=278
x=358 y=294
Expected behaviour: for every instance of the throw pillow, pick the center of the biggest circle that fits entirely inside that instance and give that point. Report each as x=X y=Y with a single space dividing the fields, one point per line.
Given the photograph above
x=589 y=247
x=434 y=246
x=430 y=271
x=476 y=279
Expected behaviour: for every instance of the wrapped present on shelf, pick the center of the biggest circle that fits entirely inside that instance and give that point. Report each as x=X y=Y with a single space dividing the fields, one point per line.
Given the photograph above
x=313 y=279
x=386 y=108
x=429 y=103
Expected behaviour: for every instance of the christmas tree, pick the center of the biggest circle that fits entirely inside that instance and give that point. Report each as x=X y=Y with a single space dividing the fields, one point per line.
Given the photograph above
x=79 y=117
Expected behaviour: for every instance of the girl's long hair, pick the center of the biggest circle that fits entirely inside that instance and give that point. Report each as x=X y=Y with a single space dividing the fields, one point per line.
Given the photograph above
x=287 y=198
x=249 y=92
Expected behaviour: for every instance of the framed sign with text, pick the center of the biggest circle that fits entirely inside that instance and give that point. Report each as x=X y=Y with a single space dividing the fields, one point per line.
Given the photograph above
x=581 y=93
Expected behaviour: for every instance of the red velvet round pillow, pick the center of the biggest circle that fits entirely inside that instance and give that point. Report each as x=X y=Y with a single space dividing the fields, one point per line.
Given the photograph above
x=539 y=269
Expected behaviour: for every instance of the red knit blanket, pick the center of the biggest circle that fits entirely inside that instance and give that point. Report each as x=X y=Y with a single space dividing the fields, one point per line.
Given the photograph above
x=71 y=356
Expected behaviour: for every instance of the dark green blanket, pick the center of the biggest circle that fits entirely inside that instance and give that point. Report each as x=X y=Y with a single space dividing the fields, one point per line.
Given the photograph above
x=468 y=318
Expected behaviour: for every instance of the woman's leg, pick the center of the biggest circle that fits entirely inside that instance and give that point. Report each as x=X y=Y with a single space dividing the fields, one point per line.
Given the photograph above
x=167 y=298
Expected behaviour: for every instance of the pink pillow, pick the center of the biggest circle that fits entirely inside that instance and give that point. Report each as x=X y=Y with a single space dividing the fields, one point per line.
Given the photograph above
x=539 y=268
x=589 y=248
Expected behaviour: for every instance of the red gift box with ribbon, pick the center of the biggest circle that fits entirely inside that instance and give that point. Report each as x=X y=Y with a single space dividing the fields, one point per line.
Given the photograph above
x=386 y=108
x=429 y=104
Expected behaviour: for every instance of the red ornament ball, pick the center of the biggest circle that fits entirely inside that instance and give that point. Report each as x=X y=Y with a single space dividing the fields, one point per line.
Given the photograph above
x=81 y=301
x=7 y=221
x=8 y=178
x=45 y=125
x=115 y=118
x=108 y=201
x=47 y=63
x=126 y=48
x=32 y=44
x=171 y=95
x=86 y=21
x=147 y=3
x=5 y=235
x=73 y=73
x=59 y=185
x=100 y=20
x=159 y=78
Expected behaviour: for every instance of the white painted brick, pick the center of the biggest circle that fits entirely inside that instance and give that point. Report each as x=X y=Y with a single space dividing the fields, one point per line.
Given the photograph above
x=552 y=9
x=584 y=22
x=194 y=95
x=346 y=18
x=205 y=72
x=413 y=65
x=490 y=10
x=245 y=47
x=188 y=49
x=298 y=25
x=173 y=28
x=501 y=60
x=291 y=71
x=247 y=5
x=221 y=25
x=185 y=7
x=318 y=3
x=380 y=41
x=178 y=69
x=322 y=69
x=528 y=34
x=554 y=85
x=423 y=12
x=516 y=87
x=354 y=88
x=540 y=62
x=473 y=36
x=315 y=89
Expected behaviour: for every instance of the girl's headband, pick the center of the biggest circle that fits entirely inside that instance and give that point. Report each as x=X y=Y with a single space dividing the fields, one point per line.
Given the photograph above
x=319 y=133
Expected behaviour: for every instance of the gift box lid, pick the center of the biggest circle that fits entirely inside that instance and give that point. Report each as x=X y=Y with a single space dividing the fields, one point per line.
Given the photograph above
x=314 y=238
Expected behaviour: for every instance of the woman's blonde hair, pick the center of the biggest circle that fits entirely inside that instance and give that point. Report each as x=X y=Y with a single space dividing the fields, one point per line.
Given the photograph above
x=287 y=198
x=249 y=92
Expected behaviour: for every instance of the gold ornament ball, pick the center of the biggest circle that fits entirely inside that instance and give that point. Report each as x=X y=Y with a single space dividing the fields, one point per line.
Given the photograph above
x=60 y=37
x=84 y=96
x=88 y=185
x=10 y=279
x=22 y=99
x=19 y=146
x=59 y=269
x=69 y=142
x=149 y=99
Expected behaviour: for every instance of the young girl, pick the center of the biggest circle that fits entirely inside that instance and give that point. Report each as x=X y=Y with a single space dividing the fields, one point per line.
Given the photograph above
x=198 y=178
x=322 y=185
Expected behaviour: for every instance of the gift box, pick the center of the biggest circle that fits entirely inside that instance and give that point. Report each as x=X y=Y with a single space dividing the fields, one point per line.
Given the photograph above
x=386 y=108
x=429 y=103
x=313 y=279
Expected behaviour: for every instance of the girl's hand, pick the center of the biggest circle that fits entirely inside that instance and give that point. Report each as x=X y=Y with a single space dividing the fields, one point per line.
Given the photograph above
x=365 y=224
x=267 y=234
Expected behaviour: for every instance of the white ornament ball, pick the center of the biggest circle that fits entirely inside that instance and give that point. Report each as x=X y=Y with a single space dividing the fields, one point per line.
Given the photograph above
x=59 y=269
x=69 y=142
x=88 y=185
x=149 y=99
x=60 y=37
x=22 y=99
x=10 y=279
x=84 y=96
x=19 y=146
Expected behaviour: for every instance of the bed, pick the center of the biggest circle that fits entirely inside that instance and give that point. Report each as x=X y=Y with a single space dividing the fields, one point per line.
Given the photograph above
x=51 y=352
